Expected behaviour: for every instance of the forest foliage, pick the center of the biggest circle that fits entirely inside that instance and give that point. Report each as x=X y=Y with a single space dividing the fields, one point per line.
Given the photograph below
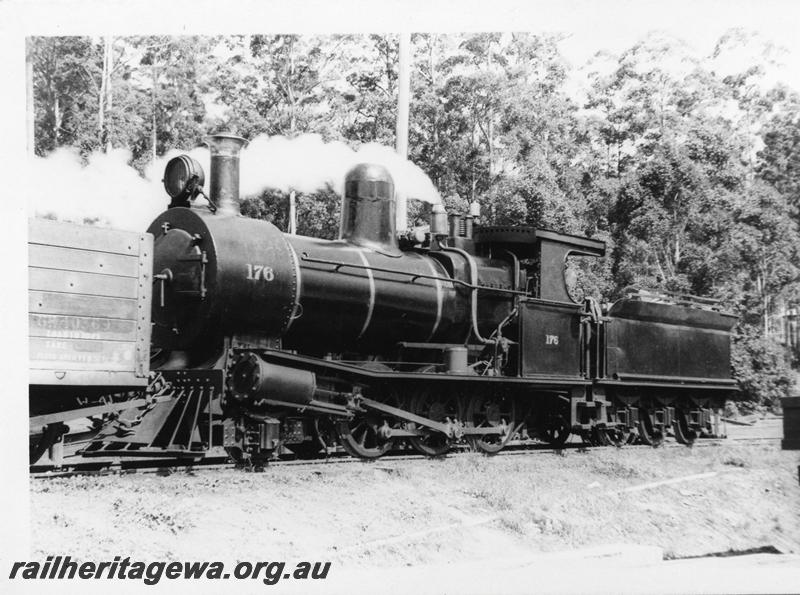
x=689 y=172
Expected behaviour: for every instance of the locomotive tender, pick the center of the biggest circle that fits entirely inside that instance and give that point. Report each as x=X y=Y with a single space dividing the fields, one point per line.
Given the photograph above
x=273 y=341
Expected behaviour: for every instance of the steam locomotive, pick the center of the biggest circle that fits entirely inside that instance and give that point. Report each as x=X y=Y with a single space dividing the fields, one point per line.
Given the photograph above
x=468 y=334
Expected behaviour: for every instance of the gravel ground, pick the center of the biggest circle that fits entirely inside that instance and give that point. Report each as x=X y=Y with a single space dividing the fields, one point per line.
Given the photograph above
x=405 y=513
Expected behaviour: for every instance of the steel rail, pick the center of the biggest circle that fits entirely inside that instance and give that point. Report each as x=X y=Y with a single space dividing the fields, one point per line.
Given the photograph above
x=164 y=467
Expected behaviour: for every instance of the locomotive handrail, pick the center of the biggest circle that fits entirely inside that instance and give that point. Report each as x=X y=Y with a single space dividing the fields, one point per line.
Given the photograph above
x=414 y=276
x=680 y=298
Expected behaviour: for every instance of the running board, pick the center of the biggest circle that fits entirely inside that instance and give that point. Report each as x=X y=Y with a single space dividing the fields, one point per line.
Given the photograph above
x=146 y=452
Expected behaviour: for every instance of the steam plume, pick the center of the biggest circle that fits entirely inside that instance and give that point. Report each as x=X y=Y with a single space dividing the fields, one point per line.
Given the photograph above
x=115 y=195
x=307 y=163
x=106 y=191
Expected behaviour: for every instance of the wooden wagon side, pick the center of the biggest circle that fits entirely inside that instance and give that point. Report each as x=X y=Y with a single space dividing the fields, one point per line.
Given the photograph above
x=89 y=294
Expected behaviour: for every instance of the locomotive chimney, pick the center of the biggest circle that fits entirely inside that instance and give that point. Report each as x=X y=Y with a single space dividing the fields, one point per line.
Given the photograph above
x=224 y=186
x=368 y=209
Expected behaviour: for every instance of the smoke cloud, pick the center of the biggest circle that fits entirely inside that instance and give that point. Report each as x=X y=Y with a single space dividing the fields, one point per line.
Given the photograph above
x=112 y=193
x=307 y=163
x=106 y=190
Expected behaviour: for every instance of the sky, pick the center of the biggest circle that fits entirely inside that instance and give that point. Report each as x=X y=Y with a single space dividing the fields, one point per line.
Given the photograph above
x=698 y=23
x=592 y=25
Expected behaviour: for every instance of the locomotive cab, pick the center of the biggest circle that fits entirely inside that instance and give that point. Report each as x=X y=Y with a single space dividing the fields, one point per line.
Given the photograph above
x=551 y=329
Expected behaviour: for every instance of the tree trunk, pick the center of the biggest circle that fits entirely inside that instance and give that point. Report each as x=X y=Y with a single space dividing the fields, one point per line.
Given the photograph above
x=154 y=103
x=435 y=123
x=290 y=88
x=401 y=124
x=101 y=109
x=56 y=119
x=292 y=127
x=105 y=95
x=761 y=287
x=109 y=89
x=292 y=213
x=30 y=114
x=766 y=316
x=489 y=115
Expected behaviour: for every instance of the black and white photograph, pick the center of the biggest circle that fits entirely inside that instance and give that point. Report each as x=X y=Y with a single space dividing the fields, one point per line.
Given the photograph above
x=383 y=297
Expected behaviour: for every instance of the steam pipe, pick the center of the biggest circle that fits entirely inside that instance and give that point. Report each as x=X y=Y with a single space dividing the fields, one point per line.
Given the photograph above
x=473 y=281
x=224 y=185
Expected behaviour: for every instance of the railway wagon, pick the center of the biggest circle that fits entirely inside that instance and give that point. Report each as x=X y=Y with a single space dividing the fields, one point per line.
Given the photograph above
x=89 y=304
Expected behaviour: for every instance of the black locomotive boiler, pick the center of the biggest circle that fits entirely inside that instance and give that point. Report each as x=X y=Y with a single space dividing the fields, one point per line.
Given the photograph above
x=278 y=342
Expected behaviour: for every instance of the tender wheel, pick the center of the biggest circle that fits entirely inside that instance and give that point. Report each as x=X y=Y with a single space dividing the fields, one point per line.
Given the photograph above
x=680 y=427
x=647 y=433
x=600 y=436
x=618 y=436
x=587 y=437
x=491 y=412
x=438 y=407
x=237 y=455
x=556 y=430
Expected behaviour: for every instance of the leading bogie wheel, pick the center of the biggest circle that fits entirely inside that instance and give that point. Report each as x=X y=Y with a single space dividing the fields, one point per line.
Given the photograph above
x=314 y=448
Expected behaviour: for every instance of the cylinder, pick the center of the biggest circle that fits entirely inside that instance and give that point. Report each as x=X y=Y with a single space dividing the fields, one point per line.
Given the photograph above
x=438 y=220
x=455 y=359
x=252 y=379
x=224 y=186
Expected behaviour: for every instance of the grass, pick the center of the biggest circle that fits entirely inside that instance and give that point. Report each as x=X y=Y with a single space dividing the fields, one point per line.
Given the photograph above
x=539 y=502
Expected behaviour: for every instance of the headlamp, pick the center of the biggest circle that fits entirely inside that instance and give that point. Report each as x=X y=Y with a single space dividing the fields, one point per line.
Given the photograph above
x=183 y=178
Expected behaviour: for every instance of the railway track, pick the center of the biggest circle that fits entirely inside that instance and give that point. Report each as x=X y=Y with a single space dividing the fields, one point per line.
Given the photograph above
x=219 y=461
